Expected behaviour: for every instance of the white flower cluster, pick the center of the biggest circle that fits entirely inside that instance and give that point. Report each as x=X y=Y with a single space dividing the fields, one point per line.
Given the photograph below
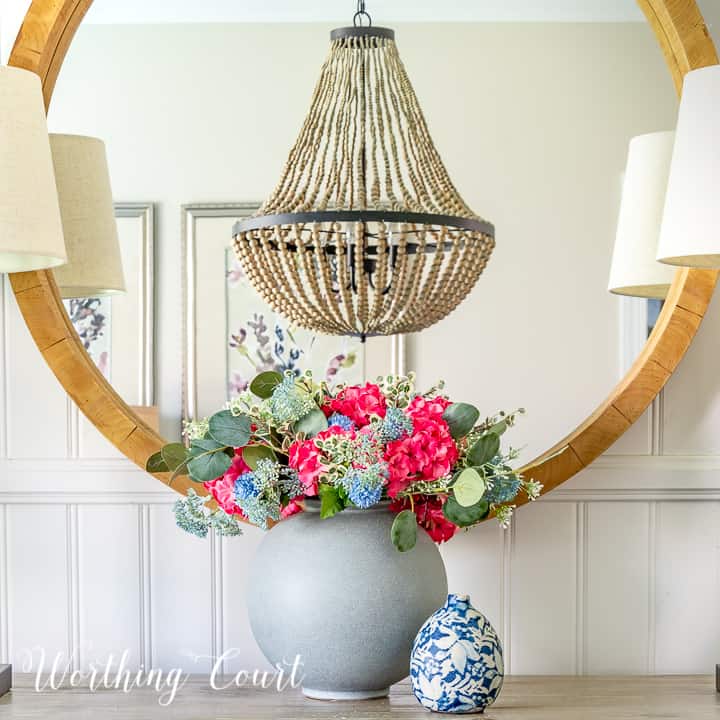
x=532 y=489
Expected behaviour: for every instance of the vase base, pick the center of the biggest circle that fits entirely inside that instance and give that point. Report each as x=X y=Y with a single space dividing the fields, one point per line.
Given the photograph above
x=345 y=694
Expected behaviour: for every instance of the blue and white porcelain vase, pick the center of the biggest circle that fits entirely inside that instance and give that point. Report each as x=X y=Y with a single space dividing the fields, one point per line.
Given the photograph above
x=456 y=664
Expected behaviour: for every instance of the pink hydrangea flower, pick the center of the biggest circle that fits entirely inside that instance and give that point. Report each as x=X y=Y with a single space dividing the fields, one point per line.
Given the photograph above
x=306 y=458
x=223 y=488
x=358 y=402
x=429 y=514
x=292 y=508
x=428 y=407
x=428 y=453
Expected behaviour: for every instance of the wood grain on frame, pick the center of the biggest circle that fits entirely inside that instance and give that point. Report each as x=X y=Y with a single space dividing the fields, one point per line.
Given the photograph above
x=41 y=45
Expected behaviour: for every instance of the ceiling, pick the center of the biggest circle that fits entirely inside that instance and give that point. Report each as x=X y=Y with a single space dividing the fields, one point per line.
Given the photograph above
x=161 y=11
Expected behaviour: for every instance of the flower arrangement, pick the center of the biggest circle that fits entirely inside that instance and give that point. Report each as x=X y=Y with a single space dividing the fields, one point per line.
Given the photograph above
x=288 y=439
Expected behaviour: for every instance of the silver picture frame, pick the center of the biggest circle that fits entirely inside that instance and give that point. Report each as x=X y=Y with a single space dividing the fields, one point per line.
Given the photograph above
x=191 y=213
x=145 y=213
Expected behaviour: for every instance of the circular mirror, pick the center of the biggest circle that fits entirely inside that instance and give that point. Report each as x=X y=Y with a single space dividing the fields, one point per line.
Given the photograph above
x=197 y=110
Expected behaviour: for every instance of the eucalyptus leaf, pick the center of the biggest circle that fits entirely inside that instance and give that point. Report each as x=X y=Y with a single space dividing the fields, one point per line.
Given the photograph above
x=330 y=502
x=253 y=453
x=484 y=450
x=229 y=429
x=465 y=516
x=403 y=532
x=499 y=427
x=209 y=465
x=469 y=487
x=461 y=419
x=312 y=423
x=181 y=469
x=156 y=464
x=174 y=455
x=264 y=384
x=199 y=447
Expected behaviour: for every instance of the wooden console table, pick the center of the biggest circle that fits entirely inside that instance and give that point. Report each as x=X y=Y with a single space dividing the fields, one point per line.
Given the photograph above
x=523 y=698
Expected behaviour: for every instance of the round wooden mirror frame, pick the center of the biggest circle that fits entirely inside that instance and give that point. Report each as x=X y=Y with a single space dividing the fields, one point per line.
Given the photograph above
x=41 y=45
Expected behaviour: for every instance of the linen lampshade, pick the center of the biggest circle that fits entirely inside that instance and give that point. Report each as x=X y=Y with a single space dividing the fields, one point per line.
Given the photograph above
x=31 y=234
x=83 y=184
x=690 y=234
x=635 y=270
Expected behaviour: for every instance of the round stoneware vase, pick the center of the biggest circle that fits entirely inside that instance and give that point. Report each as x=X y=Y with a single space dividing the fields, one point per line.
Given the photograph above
x=337 y=593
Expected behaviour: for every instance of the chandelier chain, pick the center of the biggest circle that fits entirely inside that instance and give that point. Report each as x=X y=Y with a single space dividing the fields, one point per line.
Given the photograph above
x=360 y=14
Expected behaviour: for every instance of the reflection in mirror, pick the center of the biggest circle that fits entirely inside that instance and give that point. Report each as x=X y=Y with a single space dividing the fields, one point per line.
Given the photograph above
x=532 y=119
x=223 y=310
x=117 y=331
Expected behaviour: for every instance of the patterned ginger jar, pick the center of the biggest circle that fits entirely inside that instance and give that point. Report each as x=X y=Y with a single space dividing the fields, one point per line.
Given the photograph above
x=456 y=663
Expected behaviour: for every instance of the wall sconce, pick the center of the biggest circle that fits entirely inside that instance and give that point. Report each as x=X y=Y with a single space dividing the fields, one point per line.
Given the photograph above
x=94 y=264
x=635 y=270
x=690 y=234
x=31 y=234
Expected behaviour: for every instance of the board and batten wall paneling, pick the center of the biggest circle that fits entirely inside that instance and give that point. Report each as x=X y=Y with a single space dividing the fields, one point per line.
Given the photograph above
x=110 y=606
x=544 y=612
x=4 y=344
x=599 y=577
x=38 y=600
x=234 y=637
x=687 y=587
x=615 y=589
x=182 y=591
x=37 y=415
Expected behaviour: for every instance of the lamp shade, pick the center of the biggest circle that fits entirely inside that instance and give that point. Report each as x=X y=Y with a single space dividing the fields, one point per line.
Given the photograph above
x=83 y=184
x=31 y=235
x=690 y=234
x=635 y=270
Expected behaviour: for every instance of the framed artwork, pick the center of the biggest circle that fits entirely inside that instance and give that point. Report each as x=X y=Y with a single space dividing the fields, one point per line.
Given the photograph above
x=118 y=330
x=231 y=334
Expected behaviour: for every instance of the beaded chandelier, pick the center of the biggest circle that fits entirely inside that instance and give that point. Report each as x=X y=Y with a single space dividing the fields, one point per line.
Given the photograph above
x=365 y=233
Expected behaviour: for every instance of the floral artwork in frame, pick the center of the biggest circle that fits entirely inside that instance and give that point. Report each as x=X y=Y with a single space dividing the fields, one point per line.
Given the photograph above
x=231 y=334
x=260 y=339
x=91 y=317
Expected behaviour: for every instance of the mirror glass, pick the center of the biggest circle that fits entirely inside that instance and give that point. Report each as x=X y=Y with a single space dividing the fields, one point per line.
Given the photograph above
x=532 y=111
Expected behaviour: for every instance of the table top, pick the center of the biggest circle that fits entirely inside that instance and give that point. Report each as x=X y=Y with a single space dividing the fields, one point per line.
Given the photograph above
x=523 y=698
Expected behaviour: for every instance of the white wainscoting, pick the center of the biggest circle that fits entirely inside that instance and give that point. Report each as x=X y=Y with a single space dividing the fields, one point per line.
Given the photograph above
x=616 y=571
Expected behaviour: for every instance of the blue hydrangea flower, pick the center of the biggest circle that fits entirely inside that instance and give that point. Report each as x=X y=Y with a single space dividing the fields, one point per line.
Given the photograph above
x=364 y=496
x=259 y=492
x=245 y=487
x=342 y=421
x=365 y=487
x=396 y=425
x=504 y=489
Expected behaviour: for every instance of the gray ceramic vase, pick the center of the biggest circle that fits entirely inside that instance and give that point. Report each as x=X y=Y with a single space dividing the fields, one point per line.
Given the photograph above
x=338 y=594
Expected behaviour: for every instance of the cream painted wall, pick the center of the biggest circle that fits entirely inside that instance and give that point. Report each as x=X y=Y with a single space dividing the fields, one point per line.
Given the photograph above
x=533 y=122
x=604 y=575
